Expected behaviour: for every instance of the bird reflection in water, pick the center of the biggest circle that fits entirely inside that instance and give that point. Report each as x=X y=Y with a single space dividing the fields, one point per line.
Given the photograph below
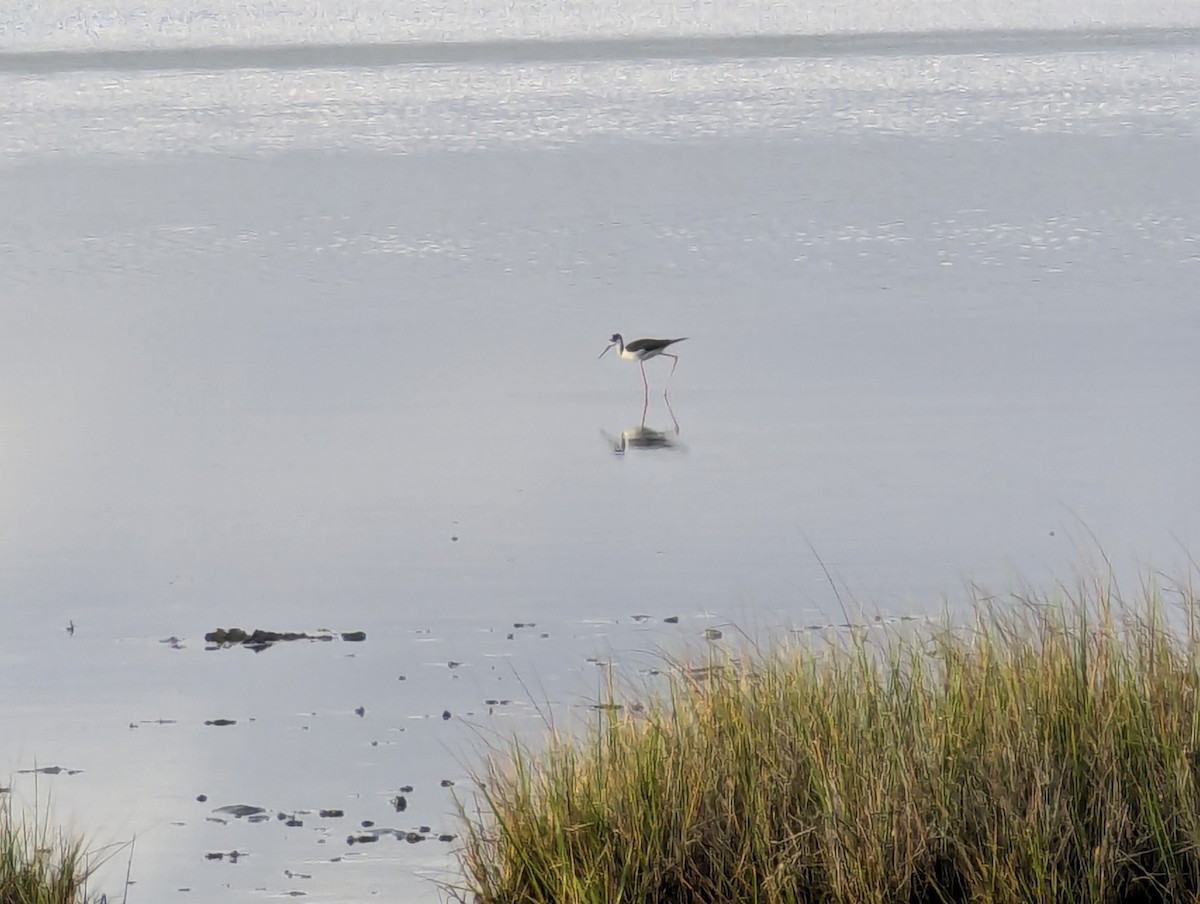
x=647 y=438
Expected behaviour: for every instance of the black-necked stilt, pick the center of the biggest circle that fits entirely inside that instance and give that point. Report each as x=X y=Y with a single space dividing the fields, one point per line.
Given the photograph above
x=640 y=349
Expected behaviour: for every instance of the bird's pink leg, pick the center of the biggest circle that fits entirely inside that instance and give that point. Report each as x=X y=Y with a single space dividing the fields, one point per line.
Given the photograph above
x=671 y=411
x=672 y=373
x=645 y=382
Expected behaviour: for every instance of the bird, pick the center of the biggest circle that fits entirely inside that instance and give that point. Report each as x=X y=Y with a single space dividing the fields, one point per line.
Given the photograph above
x=640 y=349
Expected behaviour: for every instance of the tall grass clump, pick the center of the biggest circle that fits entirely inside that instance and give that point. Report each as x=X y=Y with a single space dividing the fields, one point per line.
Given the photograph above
x=1042 y=752
x=37 y=864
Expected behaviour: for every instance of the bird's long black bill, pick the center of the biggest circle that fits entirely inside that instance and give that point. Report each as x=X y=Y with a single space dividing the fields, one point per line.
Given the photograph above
x=603 y=353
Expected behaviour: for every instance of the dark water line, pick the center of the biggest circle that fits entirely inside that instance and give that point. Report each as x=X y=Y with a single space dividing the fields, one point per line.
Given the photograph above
x=585 y=50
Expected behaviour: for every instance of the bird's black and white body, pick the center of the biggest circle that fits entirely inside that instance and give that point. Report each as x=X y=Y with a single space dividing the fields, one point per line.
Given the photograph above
x=640 y=350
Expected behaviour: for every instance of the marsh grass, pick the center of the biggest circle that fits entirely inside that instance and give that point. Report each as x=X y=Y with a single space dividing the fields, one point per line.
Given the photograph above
x=1047 y=751
x=38 y=864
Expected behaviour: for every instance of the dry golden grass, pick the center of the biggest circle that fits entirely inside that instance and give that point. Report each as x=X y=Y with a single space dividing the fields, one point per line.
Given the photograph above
x=1048 y=751
x=37 y=864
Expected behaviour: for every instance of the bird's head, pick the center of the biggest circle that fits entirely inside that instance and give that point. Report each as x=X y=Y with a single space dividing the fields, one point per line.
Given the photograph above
x=615 y=340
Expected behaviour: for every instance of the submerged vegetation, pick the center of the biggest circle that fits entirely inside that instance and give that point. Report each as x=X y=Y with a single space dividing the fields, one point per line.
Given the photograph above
x=1047 y=751
x=37 y=864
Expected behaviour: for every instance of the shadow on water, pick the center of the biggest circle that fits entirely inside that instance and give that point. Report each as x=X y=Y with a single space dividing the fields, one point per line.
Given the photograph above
x=647 y=438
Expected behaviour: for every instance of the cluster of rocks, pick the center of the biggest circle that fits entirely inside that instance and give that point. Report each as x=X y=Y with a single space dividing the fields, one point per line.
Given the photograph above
x=258 y=639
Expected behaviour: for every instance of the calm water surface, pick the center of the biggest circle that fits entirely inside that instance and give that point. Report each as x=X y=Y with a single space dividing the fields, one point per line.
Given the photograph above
x=300 y=312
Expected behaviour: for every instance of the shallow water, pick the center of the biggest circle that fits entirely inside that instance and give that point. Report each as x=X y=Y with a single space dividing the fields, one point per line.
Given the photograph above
x=305 y=342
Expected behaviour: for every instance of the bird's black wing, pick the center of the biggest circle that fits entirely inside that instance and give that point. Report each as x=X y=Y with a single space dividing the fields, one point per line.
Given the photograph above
x=651 y=345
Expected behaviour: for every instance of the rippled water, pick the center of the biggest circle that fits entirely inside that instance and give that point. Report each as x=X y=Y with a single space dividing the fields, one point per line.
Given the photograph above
x=301 y=308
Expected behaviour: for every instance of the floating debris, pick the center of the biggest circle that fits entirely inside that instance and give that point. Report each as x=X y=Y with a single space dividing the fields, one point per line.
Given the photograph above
x=447 y=783
x=331 y=814
x=705 y=672
x=50 y=770
x=259 y=639
x=399 y=803
x=220 y=722
x=671 y=620
x=232 y=856
x=712 y=634
x=237 y=811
